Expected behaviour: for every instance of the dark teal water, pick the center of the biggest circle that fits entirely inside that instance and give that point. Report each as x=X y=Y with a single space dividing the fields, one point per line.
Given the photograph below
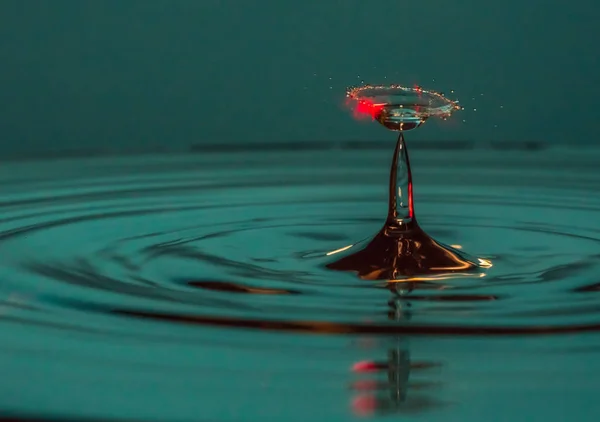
x=193 y=287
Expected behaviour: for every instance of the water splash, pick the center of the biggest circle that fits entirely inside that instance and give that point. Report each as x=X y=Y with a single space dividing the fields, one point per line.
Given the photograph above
x=402 y=251
x=398 y=107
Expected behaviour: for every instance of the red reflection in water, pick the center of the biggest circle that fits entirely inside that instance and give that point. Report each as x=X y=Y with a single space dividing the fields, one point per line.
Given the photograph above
x=364 y=405
x=365 y=366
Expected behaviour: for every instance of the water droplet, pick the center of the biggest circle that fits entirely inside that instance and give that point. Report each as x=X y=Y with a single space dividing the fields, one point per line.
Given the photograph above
x=474 y=109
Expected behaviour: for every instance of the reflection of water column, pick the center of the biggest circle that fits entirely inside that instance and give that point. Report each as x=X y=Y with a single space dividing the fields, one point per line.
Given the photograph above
x=398 y=372
x=392 y=394
x=399 y=355
x=371 y=398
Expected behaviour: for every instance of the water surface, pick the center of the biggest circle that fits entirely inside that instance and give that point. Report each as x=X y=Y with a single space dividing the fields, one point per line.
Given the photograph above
x=193 y=287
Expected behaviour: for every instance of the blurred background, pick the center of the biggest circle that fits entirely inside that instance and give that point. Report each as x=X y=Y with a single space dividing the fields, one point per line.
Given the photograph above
x=121 y=278
x=79 y=75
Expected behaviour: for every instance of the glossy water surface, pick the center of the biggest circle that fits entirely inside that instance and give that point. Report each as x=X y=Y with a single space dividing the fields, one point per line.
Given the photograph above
x=194 y=288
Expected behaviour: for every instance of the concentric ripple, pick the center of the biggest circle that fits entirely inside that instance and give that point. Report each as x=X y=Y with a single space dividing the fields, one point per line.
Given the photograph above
x=240 y=240
x=171 y=287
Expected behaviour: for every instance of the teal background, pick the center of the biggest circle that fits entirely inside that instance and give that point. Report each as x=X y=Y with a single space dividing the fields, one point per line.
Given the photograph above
x=89 y=75
x=134 y=74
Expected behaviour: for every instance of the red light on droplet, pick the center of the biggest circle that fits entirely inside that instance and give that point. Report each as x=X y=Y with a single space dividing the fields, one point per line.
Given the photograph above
x=418 y=90
x=366 y=107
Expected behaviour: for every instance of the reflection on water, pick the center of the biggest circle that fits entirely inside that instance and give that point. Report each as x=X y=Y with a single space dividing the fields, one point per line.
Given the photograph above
x=196 y=288
x=391 y=386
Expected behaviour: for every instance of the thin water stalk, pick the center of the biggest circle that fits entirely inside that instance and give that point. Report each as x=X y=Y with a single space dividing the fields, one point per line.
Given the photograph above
x=401 y=207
